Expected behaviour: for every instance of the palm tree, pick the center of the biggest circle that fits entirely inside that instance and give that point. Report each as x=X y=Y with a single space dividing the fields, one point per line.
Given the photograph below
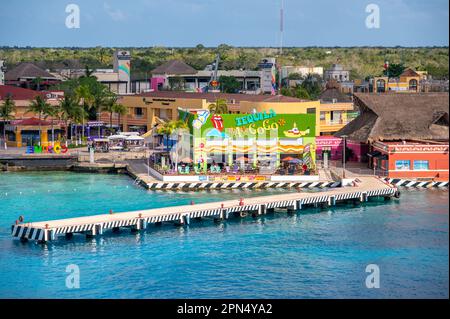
x=219 y=107
x=168 y=129
x=69 y=106
x=84 y=93
x=37 y=81
x=109 y=106
x=120 y=110
x=40 y=107
x=6 y=110
x=54 y=112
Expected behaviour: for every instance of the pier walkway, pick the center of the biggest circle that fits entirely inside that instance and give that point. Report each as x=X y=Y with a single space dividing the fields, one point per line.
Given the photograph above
x=364 y=188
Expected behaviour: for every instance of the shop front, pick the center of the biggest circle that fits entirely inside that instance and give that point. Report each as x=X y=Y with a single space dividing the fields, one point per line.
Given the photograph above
x=257 y=142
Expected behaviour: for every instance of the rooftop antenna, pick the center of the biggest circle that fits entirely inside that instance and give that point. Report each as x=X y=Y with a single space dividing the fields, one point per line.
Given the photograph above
x=281 y=44
x=281 y=26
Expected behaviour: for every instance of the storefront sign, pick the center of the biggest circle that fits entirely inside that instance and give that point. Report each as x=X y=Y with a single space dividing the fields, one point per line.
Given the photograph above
x=56 y=149
x=252 y=118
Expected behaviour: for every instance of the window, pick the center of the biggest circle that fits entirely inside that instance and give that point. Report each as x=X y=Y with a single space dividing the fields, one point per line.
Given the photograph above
x=421 y=165
x=311 y=110
x=402 y=165
x=413 y=85
x=139 y=112
x=322 y=116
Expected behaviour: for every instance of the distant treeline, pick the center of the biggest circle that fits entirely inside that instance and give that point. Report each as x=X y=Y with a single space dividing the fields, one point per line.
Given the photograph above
x=362 y=61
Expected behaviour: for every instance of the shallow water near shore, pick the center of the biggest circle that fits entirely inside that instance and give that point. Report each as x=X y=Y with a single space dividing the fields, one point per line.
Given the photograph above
x=311 y=254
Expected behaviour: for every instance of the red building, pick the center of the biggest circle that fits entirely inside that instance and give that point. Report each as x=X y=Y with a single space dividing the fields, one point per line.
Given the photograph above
x=407 y=134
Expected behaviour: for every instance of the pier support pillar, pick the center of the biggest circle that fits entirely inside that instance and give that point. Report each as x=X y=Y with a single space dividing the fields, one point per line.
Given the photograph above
x=299 y=205
x=99 y=229
x=262 y=209
x=186 y=219
x=223 y=214
x=364 y=197
x=52 y=234
x=332 y=200
x=91 y=233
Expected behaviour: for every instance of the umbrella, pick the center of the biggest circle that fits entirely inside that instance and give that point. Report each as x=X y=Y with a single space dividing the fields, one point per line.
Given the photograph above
x=186 y=160
x=242 y=159
x=288 y=159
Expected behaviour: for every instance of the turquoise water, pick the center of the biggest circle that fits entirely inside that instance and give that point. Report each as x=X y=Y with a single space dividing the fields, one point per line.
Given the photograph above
x=311 y=254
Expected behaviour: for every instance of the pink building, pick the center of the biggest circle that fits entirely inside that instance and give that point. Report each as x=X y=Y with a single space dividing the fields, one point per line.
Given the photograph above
x=356 y=151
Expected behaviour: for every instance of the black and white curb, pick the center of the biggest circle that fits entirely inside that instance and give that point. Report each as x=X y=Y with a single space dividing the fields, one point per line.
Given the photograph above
x=409 y=183
x=248 y=185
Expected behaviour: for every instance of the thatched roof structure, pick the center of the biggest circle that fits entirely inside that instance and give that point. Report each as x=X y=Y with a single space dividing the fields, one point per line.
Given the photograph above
x=399 y=116
x=27 y=70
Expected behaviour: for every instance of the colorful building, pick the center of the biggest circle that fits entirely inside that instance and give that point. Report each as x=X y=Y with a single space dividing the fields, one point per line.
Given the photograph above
x=407 y=134
x=255 y=137
x=24 y=129
x=407 y=82
x=149 y=109
x=336 y=109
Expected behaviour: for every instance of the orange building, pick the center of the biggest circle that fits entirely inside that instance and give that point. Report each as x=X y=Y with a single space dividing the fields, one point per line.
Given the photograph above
x=412 y=159
x=24 y=128
x=408 y=134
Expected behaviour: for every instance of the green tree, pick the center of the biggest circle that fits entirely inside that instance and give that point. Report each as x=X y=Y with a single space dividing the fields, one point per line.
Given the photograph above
x=83 y=92
x=313 y=85
x=37 y=82
x=229 y=84
x=109 y=106
x=394 y=70
x=120 y=110
x=69 y=108
x=52 y=112
x=7 y=108
x=219 y=107
x=40 y=107
x=168 y=128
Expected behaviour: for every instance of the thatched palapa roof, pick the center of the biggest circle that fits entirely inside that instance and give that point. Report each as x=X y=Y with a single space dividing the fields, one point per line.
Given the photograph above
x=399 y=116
x=174 y=67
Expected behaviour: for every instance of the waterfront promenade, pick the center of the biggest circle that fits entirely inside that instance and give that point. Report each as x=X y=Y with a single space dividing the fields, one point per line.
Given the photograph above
x=363 y=189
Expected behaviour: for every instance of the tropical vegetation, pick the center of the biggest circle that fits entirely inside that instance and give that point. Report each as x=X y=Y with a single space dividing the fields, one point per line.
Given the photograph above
x=7 y=109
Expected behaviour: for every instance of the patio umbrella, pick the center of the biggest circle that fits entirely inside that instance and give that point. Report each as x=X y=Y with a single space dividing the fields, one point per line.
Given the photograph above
x=288 y=159
x=186 y=160
x=242 y=159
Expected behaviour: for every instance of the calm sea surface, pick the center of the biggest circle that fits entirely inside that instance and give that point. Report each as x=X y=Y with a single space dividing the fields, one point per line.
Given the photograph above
x=312 y=254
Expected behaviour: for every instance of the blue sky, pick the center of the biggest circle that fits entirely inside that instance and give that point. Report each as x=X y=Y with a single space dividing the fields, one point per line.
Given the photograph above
x=235 y=22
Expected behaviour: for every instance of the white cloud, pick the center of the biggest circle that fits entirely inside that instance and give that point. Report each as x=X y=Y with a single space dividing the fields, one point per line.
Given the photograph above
x=115 y=14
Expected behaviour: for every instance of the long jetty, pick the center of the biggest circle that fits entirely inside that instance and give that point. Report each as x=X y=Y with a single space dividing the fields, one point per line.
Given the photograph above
x=363 y=189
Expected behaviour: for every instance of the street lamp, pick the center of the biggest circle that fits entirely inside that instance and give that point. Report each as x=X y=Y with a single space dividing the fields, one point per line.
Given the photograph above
x=343 y=155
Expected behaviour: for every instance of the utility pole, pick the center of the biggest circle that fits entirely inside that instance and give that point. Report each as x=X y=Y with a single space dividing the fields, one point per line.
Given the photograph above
x=343 y=155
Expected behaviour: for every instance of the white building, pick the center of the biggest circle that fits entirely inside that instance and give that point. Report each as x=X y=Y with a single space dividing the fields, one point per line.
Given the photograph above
x=337 y=73
x=302 y=70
